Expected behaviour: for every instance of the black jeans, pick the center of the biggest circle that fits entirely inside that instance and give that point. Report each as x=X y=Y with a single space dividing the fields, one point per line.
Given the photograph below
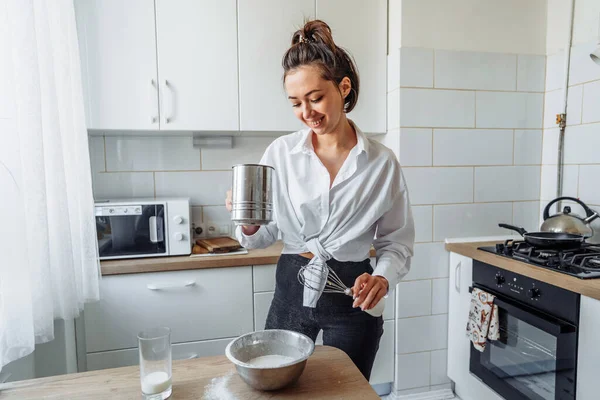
x=349 y=329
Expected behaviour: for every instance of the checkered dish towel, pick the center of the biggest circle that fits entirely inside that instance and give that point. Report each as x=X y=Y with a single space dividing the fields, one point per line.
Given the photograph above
x=483 y=319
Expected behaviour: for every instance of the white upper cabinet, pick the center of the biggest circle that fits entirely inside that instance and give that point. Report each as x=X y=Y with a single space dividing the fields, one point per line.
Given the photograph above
x=360 y=27
x=197 y=64
x=265 y=33
x=118 y=57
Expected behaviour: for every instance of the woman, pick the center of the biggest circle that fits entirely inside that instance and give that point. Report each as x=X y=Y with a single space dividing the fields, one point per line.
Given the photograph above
x=336 y=192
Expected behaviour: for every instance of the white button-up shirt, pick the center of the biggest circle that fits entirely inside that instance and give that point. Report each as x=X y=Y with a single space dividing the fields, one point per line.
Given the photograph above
x=366 y=204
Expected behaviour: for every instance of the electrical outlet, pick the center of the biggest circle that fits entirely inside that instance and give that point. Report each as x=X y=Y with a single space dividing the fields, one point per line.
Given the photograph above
x=212 y=230
x=199 y=230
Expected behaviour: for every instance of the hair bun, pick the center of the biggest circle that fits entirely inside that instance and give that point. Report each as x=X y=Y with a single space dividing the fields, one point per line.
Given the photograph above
x=315 y=31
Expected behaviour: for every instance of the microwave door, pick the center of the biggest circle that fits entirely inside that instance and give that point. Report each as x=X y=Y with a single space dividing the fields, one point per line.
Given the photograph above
x=141 y=234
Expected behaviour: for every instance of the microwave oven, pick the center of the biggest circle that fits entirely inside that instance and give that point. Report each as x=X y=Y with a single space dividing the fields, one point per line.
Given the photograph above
x=136 y=228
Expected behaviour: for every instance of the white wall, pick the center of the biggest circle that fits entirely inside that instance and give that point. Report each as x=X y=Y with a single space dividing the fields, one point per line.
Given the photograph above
x=585 y=23
x=507 y=26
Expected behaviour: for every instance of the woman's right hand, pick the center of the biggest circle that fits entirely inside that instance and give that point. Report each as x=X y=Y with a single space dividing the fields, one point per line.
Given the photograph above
x=247 y=230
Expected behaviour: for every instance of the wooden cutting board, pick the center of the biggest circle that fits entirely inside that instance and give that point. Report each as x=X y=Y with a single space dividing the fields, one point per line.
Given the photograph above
x=219 y=245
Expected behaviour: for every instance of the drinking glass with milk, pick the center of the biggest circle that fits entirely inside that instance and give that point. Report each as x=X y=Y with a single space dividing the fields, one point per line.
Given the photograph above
x=155 y=363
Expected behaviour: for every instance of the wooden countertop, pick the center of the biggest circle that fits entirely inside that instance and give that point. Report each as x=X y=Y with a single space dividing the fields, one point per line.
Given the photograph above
x=270 y=255
x=329 y=374
x=586 y=287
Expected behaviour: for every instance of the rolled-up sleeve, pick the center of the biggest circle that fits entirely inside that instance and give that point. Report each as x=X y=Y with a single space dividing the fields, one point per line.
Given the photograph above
x=264 y=237
x=395 y=237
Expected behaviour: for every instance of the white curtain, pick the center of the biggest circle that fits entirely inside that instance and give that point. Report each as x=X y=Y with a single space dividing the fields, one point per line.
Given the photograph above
x=48 y=250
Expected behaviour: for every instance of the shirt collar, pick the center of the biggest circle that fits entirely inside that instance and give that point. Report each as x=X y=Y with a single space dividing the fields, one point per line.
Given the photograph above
x=305 y=143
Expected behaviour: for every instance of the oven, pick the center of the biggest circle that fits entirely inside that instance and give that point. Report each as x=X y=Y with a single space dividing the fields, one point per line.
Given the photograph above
x=535 y=357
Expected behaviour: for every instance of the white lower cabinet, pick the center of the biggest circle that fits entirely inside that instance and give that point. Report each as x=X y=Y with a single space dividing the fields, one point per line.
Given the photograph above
x=588 y=366
x=383 y=369
x=197 y=305
x=180 y=351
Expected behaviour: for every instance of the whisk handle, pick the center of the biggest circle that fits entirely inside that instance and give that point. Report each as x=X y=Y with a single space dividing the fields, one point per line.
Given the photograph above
x=377 y=311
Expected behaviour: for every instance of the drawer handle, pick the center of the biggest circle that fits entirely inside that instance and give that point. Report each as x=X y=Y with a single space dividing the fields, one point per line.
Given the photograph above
x=189 y=357
x=153 y=286
x=457 y=276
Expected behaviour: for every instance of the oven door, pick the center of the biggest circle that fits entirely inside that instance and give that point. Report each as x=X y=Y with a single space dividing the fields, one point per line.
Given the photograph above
x=535 y=357
x=131 y=231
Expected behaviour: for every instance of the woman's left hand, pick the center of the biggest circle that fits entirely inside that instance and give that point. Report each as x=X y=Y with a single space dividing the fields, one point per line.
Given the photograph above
x=368 y=290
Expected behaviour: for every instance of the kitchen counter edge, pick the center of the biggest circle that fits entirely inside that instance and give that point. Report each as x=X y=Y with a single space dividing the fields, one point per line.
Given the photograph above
x=586 y=287
x=270 y=255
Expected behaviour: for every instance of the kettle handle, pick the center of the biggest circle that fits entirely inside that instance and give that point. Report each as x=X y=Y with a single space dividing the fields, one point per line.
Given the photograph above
x=588 y=211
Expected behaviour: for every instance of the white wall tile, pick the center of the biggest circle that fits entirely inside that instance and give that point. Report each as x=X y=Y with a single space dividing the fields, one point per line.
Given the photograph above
x=437 y=108
x=203 y=188
x=582 y=69
x=555 y=71
x=472 y=147
x=475 y=70
x=552 y=106
x=549 y=181
x=393 y=72
x=526 y=214
x=416 y=67
x=97 y=161
x=196 y=215
x=246 y=150
x=582 y=143
x=439 y=360
x=413 y=299
x=468 y=220
x=550 y=146
x=151 y=154
x=393 y=109
x=217 y=214
x=413 y=370
x=528 y=147
x=531 y=73
x=123 y=185
x=574 y=105
x=391 y=140
x=509 y=110
x=430 y=261
x=439 y=302
x=415 y=147
x=422 y=334
x=591 y=102
x=507 y=183
x=423 y=216
x=439 y=185
x=589 y=183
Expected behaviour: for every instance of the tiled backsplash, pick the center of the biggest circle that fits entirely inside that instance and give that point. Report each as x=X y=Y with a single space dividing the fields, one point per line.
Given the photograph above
x=581 y=173
x=126 y=167
x=467 y=128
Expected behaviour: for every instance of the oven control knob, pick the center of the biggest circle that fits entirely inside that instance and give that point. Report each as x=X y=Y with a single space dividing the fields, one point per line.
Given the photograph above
x=179 y=236
x=178 y=219
x=534 y=293
x=500 y=279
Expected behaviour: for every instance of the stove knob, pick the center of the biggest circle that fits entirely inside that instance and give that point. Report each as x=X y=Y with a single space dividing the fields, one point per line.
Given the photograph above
x=534 y=293
x=499 y=279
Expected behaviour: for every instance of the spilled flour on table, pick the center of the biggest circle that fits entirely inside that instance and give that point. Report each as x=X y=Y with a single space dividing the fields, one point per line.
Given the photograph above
x=218 y=388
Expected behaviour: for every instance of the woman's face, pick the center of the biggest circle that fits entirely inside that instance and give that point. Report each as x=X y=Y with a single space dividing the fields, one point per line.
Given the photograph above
x=316 y=102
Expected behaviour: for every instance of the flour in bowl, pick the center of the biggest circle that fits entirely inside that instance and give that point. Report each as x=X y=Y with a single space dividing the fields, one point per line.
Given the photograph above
x=271 y=361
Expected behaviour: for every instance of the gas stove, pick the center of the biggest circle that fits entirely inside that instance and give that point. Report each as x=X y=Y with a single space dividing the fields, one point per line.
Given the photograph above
x=583 y=263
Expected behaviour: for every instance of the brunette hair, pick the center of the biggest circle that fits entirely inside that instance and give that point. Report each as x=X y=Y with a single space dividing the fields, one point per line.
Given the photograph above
x=313 y=45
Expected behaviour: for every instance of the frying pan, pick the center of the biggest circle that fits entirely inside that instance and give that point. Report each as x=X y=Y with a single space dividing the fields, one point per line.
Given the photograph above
x=549 y=240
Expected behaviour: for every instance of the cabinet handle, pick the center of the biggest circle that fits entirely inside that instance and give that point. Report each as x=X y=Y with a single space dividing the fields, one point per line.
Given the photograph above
x=153 y=286
x=457 y=276
x=169 y=116
x=153 y=99
x=190 y=356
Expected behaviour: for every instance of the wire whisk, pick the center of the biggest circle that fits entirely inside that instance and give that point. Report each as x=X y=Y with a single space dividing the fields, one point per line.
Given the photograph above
x=310 y=277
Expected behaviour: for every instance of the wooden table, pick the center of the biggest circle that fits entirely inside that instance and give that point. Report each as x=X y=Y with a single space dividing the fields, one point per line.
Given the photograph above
x=329 y=374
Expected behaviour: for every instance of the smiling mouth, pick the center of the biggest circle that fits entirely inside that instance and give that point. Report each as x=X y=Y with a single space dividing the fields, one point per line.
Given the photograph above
x=316 y=123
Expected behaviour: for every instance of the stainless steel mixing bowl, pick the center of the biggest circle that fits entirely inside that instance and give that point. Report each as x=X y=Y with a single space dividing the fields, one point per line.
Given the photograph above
x=270 y=342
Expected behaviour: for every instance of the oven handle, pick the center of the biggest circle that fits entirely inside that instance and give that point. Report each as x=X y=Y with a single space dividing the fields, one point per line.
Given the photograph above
x=525 y=313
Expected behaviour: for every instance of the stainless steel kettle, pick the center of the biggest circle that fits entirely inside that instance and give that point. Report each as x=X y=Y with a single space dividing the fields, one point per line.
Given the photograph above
x=568 y=222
